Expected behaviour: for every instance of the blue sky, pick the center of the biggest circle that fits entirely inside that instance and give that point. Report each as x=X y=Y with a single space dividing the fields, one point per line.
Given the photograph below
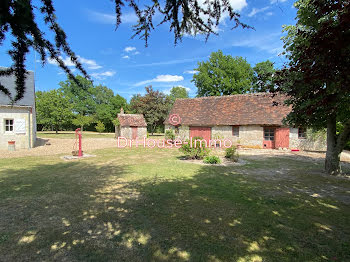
x=123 y=64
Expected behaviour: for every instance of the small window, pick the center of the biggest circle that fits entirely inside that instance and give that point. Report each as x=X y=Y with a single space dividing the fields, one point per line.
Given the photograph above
x=8 y=125
x=301 y=133
x=235 y=131
x=269 y=134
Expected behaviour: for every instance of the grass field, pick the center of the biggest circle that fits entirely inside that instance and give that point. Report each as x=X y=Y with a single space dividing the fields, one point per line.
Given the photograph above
x=148 y=205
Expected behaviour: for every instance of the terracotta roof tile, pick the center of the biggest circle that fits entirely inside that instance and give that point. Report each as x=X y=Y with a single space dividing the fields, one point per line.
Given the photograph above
x=247 y=109
x=131 y=120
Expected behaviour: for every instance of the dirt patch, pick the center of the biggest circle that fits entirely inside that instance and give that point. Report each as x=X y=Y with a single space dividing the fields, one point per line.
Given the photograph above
x=54 y=146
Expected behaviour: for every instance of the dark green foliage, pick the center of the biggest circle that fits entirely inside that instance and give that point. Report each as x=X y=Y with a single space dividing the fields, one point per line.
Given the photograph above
x=169 y=134
x=231 y=153
x=53 y=109
x=18 y=23
x=223 y=75
x=212 y=160
x=317 y=77
x=154 y=105
x=263 y=75
x=196 y=150
x=178 y=92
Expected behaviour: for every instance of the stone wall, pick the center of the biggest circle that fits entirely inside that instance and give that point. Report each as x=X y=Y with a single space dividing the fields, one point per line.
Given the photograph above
x=182 y=133
x=126 y=131
x=316 y=143
x=22 y=140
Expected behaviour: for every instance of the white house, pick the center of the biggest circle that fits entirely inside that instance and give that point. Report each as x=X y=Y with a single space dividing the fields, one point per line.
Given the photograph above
x=18 y=120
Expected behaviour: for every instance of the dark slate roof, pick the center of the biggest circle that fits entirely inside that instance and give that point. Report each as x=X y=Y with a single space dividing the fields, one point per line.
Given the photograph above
x=29 y=95
x=131 y=120
x=247 y=109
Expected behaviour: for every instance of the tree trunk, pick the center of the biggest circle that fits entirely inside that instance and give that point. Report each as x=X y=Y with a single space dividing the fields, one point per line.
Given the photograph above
x=332 y=163
x=56 y=129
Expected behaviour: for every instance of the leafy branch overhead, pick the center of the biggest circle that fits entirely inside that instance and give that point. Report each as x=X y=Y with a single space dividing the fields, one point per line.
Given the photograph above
x=18 y=21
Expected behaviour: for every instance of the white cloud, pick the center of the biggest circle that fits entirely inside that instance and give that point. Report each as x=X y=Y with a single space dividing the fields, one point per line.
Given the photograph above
x=126 y=57
x=257 y=10
x=191 y=72
x=129 y=49
x=108 y=18
x=91 y=64
x=103 y=75
x=276 y=1
x=161 y=78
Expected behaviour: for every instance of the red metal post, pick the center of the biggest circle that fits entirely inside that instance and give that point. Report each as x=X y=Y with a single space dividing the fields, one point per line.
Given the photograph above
x=78 y=132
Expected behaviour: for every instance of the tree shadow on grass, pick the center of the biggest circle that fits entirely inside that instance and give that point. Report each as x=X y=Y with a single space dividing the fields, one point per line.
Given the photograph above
x=85 y=212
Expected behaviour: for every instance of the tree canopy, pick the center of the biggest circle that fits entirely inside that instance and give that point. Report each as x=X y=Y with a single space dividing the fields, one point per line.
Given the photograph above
x=154 y=105
x=178 y=92
x=317 y=79
x=263 y=76
x=223 y=75
x=53 y=109
x=19 y=22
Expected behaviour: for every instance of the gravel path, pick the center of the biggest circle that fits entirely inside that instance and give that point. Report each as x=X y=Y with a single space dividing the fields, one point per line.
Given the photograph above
x=60 y=146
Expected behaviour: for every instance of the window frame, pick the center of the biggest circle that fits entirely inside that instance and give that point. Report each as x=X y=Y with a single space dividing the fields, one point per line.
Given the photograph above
x=235 y=134
x=303 y=132
x=9 y=126
x=269 y=132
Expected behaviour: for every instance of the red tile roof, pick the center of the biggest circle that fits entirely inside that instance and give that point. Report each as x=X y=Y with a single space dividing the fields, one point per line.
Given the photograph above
x=247 y=109
x=131 y=120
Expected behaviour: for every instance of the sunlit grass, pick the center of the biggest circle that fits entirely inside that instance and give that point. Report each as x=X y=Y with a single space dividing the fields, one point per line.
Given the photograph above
x=144 y=204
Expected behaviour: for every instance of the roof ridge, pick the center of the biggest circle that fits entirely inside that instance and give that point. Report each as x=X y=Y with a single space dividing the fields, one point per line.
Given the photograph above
x=236 y=95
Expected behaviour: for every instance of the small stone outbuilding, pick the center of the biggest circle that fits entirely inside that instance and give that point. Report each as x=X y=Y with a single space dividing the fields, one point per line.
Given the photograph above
x=131 y=126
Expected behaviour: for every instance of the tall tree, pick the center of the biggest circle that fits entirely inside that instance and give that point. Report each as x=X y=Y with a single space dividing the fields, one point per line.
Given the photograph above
x=154 y=105
x=178 y=92
x=19 y=22
x=317 y=77
x=80 y=95
x=263 y=75
x=53 y=109
x=223 y=75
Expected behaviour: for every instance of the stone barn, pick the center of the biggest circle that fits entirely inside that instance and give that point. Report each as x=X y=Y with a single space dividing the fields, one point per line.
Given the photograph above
x=17 y=120
x=249 y=120
x=131 y=126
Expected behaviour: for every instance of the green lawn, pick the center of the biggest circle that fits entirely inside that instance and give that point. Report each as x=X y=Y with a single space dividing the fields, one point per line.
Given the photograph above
x=71 y=134
x=147 y=205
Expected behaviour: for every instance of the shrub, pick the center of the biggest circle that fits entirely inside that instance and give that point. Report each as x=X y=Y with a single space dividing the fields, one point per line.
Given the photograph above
x=212 y=160
x=100 y=127
x=169 y=134
x=231 y=153
x=196 y=151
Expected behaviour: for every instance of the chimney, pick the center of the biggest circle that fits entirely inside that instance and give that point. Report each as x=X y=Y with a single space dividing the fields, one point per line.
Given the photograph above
x=121 y=111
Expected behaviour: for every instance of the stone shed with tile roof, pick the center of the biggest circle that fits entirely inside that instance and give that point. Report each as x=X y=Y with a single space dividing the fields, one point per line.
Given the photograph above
x=131 y=126
x=251 y=120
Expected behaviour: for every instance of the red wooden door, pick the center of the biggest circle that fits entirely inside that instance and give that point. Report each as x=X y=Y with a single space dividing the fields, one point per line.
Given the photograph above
x=204 y=132
x=282 y=137
x=134 y=132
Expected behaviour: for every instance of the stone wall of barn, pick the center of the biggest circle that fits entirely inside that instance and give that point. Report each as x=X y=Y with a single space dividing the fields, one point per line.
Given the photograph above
x=126 y=131
x=251 y=136
x=317 y=143
x=21 y=138
x=141 y=132
x=182 y=132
